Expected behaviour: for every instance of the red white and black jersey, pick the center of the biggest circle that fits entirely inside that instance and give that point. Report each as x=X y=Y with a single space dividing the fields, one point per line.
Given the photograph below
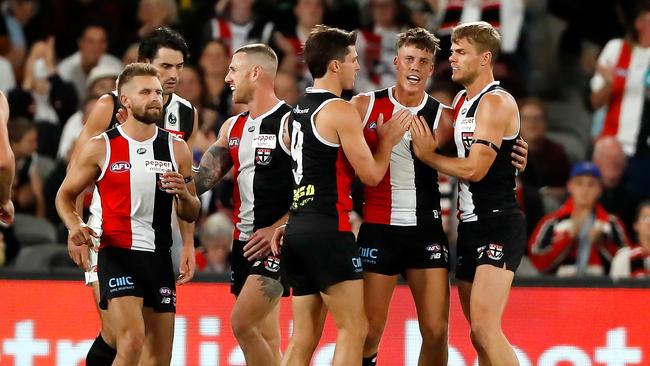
x=135 y=211
x=495 y=193
x=409 y=191
x=639 y=262
x=235 y=35
x=322 y=174
x=261 y=170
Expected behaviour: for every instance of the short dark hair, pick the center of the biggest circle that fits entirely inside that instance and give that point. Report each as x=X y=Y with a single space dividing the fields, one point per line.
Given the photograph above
x=133 y=70
x=324 y=45
x=18 y=127
x=162 y=37
x=420 y=38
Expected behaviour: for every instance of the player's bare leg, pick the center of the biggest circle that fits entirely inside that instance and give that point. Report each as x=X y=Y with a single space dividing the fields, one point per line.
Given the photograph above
x=159 y=337
x=309 y=313
x=378 y=290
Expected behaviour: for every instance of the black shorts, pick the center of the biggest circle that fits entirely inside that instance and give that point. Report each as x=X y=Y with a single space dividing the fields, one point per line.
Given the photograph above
x=240 y=268
x=390 y=249
x=496 y=240
x=314 y=261
x=149 y=275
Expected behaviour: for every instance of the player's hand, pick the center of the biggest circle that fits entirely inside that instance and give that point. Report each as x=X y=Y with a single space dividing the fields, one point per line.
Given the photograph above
x=188 y=265
x=277 y=240
x=520 y=155
x=259 y=244
x=79 y=255
x=606 y=72
x=122 y=115
x=424 y=141
x=174 y=183
x=81 y=235
x=392 y=131
x=7 y=214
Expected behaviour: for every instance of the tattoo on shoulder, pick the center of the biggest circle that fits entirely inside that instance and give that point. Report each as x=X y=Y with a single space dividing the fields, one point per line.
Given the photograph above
x=272 y=289
x=215 y=163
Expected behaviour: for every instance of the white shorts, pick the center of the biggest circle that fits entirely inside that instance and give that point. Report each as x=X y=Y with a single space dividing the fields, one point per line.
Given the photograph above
x=91 y=275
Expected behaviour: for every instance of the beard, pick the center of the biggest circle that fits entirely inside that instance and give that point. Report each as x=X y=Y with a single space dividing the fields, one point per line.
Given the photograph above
x=148 y=116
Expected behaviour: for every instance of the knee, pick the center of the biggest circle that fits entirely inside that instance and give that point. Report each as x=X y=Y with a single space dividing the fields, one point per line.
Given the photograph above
x=435 y=333
x=375 y=330
x=358 y=329
x=481 y=334
x=131 y=341
x=242 y=328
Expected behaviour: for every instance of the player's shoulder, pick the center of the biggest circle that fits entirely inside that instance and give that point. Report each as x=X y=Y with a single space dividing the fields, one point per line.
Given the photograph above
x=182 y=101
x=499 y=98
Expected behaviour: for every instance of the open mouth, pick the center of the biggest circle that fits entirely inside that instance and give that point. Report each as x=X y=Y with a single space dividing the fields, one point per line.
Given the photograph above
x=413 y=79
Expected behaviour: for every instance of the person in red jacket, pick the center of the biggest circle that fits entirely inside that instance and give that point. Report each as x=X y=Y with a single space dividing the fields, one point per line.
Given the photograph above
x=580 y=238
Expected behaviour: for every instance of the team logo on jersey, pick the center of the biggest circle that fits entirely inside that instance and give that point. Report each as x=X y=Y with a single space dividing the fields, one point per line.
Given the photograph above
x=172 y=119
x=372 y=126
x=467 y=138
x=141 y=150
x=272 y=263
x=251 y=128
x=266 y=141
x=495 y=252
x=120 y=166
x=463 y=111
x=263 y=156
x=233 y=142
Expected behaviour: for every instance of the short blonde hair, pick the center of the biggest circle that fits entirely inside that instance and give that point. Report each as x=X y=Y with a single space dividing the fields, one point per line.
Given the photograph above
x=481 y=34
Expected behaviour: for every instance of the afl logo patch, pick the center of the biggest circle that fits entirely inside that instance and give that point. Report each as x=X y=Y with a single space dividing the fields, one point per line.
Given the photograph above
x=263 y=156
x=172 y=119
x=233 y=142
x=165 y=291
x=141 y=150
x=120 y=167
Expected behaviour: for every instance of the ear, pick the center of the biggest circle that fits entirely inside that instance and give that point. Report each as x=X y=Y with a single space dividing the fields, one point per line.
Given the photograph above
x=256 y=73
x=334 y=66
x=486 y=58
x=125 y=101
x=395 y=61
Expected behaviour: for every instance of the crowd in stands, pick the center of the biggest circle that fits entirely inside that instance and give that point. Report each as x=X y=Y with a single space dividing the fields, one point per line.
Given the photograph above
x=580 y=71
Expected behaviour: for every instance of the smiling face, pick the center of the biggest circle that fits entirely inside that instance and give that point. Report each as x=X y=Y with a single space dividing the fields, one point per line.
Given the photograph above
x=414 y=66
x=239 y=79
x=466 y=61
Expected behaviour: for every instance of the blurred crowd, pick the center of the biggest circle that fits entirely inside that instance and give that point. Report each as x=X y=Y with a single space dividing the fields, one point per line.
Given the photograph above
x=579 y=69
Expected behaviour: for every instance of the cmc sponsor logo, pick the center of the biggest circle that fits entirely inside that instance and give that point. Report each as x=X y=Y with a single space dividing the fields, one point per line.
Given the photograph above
x=368 y=253
x=120 y=281
x=120 y=167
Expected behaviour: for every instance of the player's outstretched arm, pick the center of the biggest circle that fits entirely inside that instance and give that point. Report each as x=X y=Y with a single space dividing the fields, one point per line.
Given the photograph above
x=216 y=162
x=83 y=172
x=181 y=184
x=345 y=119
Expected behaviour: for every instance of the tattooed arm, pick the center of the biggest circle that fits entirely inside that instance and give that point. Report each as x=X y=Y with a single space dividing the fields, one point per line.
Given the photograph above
x=216 y=162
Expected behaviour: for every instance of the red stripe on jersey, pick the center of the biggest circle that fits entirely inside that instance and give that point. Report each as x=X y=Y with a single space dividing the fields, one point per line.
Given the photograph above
x=618 y=91
x=115 y=196
x=378 y=200
x=233 y=146
x=459 y=103
x=344 y=176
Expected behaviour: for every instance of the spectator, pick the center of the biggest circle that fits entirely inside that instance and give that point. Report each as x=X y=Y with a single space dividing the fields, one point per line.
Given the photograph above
x=214 y=63
x=619 y=82
x=635 y=260
x=216 y=242
x=610 y=159
x=156 y=13
x=73 y=127
x=377 y=45
x=27 y=192
x=581 y=237
x=7 y=78
x=548 y=165
x=92 y=52
x=16 y=15
x=190 y=86
x=131 y=54
x=286 y=88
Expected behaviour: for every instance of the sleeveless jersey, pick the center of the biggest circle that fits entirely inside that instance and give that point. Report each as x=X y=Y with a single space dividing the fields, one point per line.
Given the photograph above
x=178 y=116
x=495 y=193
x=322 y=174
x=135 y=211
x=409 y=190
x=261 y=170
